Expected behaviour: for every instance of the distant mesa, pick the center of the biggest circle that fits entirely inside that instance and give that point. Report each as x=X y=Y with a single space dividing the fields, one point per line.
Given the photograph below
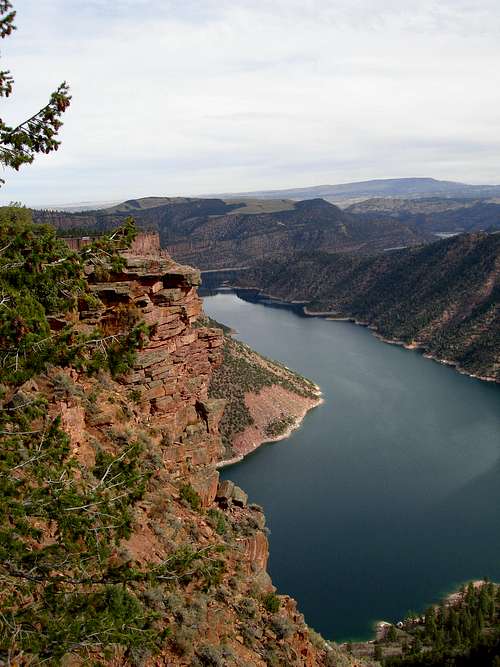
x=343 y=194
x=348 y=193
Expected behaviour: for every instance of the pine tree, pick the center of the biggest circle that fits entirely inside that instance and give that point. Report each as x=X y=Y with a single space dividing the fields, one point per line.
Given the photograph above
x=430 y=623
x=38 y=134
x=455 y=638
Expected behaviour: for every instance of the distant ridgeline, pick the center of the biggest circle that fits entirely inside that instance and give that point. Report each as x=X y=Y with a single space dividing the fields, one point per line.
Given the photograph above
x=213 y=233
x=443 y=297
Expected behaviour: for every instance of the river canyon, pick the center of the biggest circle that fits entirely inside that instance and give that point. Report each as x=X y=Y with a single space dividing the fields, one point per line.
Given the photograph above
x=386 y=497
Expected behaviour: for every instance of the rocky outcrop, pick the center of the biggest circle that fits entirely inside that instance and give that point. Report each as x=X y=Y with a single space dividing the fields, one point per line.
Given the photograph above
x=171 y=373
x=146 y=243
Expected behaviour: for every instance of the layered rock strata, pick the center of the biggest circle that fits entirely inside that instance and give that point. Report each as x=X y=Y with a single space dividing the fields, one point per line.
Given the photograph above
x=171 y=373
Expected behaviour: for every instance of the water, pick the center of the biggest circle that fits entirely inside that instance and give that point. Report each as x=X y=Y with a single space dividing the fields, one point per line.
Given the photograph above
x=388 y=495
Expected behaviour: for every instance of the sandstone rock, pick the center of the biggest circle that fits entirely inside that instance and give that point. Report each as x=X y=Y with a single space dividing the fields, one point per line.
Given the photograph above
x=263 y=581
x=239 y=497
x=205 y=484
x=166 y=295
x=157 y=286
x=149 y=358
x=113 y=291
x=212 y=410
x=155 y=393
x=134 y=377
x=257 y=550
x=163 y=403
x=259 y=518
x=225 y=490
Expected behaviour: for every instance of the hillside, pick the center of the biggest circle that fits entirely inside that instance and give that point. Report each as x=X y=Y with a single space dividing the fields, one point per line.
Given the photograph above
x=432 y=215
x=118 y=544
x=264 y=399
x=213 y=234
x=443 y=297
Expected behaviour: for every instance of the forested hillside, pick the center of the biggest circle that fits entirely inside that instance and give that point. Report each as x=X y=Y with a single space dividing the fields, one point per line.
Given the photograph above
x=443 y=297
x=433 y=215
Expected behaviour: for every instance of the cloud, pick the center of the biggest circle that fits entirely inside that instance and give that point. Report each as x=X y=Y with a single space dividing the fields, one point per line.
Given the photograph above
x=175 y=97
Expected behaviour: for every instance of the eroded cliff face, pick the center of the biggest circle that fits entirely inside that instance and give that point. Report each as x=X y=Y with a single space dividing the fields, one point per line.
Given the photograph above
x=170 y=376
x=233 y=617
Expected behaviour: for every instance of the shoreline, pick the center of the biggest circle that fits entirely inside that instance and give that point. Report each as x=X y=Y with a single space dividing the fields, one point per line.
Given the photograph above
x=335 y=316
x=428 y=355
x=408 y=346
x=294 y=426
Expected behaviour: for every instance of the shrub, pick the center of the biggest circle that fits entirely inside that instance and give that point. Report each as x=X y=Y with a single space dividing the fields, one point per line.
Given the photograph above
x=135 y=395
x=247 y=608
x=182 y=640
x=271 y=602
x=281 y=626
x=189 y=495
x=210 y=655
x=279 y=425
x=218 y=521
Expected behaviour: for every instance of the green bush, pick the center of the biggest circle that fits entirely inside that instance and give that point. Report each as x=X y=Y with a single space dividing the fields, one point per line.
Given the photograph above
x=271 y=602
x=281 y=626
x=188 y=494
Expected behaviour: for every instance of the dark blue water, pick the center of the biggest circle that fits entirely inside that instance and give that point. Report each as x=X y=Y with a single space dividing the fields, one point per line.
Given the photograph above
x=388 y=495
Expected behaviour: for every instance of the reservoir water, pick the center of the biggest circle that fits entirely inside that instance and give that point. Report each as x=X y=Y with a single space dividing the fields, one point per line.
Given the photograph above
x=388 y=496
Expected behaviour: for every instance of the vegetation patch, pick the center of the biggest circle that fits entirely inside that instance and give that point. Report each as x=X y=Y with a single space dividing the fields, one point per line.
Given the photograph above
x=189 y=495
x=271 y=602
x=279 y=425
x=443 y=295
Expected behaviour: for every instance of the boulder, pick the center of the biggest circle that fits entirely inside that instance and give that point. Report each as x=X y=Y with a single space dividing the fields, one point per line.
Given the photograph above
x=225 y=490
x=239 y=497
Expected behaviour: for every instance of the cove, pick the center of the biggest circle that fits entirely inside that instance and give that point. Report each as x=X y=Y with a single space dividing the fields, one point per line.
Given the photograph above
x=387 y=497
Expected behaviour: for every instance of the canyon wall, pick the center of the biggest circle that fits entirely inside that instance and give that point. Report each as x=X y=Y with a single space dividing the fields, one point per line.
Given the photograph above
x=442 y=298
x=162 y=402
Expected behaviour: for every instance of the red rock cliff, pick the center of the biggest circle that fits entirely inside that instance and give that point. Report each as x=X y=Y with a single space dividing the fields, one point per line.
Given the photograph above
x=163 y=403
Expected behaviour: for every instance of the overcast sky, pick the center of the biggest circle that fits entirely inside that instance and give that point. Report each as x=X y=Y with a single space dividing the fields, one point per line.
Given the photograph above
x=201 y=96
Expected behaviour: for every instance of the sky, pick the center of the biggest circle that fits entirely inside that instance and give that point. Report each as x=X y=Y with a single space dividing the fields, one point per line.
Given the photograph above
x=188 y=97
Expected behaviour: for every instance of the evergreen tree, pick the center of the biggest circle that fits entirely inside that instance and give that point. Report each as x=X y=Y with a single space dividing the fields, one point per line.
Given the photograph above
x=38 y=134
x=430 y=623
x=455 y=638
